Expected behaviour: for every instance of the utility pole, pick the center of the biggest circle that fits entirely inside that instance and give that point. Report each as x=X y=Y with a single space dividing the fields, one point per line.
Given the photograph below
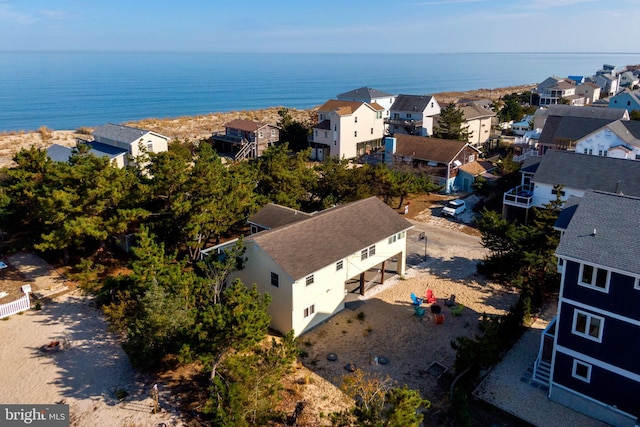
x=423 y=236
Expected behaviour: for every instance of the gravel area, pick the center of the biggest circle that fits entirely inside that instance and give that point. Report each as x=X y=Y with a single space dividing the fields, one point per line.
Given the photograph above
x=507 y=388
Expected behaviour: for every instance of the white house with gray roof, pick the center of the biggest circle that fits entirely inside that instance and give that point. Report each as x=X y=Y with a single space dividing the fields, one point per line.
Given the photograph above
x=569 y=174
x=370 y=96
x=305 y=265
x=413 y=115
x=132 y=141
x=619 y=139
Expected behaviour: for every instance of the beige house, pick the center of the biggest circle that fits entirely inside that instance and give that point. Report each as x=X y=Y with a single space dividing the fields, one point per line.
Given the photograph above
x=306 y=265
x=347 y=129
x=478 y=121
x=589 y=91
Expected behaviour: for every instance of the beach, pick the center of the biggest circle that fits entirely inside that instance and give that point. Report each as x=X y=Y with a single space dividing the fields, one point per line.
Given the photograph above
x=199 y=127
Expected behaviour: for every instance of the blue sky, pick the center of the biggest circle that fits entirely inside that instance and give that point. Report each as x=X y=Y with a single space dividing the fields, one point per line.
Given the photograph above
x=330 y=26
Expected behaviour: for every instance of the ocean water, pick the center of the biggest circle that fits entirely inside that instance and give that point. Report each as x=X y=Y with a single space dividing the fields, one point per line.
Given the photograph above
x=71 y=90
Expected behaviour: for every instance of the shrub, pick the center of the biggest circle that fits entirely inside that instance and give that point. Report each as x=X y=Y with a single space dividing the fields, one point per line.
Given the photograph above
x=45 y=133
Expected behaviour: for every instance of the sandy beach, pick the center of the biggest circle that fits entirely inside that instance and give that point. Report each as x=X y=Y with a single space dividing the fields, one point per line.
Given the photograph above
x=199 y=127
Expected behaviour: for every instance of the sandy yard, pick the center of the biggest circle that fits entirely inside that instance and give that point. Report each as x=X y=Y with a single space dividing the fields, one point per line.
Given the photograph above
x=90 y=368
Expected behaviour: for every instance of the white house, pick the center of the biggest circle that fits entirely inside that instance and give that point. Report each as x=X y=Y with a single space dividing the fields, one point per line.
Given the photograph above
x=347 y=129
x=132 y=141
x=413 y=115
x=567 y=174
x=370 y=96
x=619 y=139
x=304 y=265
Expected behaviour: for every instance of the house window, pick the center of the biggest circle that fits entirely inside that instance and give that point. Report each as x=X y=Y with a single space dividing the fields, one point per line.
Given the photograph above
x=555 y=191
x=335 y=128
x=339 y=265
x=309 y=280
x=595 y=278
x=372 y=250
x=149 y=147
x=273 y=132
x=581 y=370
x=326 y=134
x=408 y=115
x=309 y=310
x=588 y=325
x=316 y=133
x=393 y=239
x=371 y=131
x=321 y=117
x=637 y=156
x=471 y=158
x=356 y=119
x=355 y=133
x=275 y=280
x=364 y=254
x=586 y=151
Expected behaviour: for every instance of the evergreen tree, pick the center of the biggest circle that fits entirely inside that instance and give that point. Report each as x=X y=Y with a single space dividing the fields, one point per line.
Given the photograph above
x=451 y=124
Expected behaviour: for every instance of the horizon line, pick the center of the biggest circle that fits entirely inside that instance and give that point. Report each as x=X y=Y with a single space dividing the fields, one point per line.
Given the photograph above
x=320 y=53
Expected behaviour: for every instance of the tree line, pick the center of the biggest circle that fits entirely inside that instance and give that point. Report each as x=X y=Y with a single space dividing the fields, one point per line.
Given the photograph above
x=170 y=306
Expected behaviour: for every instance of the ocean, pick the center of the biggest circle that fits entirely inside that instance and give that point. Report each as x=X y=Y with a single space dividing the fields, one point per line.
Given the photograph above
x=72 y=90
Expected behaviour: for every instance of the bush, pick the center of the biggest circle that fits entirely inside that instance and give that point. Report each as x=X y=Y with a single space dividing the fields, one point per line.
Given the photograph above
x=45 y=133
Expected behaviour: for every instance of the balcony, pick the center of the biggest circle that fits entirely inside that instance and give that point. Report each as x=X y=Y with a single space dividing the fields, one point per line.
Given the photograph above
x=404 y=122
x=520 y=196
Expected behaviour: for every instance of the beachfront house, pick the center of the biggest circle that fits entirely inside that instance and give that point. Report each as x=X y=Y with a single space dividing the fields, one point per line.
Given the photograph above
x=347 y=129
x=588 y=352
x=439 y=158
x=245 y=139
x=619 y=139
x=554 y=90
x=123 y=145
x=133 y=141
x=628 y=100
x=563 y=125
x=566 y=174
x=413 y=115
x=370 y=96
x=307 y=265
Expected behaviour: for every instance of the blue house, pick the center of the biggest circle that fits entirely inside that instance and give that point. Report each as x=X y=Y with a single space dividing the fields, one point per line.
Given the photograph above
x=589 y=353
x=629 y=100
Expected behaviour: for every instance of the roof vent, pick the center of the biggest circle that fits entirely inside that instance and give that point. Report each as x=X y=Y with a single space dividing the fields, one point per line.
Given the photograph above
x=594 y=232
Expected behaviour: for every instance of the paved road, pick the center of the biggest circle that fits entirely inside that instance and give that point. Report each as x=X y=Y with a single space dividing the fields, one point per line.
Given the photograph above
x=449 y=252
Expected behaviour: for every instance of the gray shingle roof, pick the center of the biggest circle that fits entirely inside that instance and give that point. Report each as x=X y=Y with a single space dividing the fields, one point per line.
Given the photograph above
x=304 y=247
x=59 y=153
x=569 y=128
x=616 y=223
x=583 y=172
x=592 y=112
x=426 y=148
x=411 y=103
x=120 y=133
x=273 y=216
x=364 y=93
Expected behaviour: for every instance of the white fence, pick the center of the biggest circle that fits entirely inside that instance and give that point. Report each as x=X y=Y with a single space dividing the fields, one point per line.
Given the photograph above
x=14 y=307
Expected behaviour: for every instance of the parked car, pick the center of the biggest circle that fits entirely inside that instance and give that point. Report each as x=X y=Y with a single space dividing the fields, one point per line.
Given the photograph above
x=454 y=207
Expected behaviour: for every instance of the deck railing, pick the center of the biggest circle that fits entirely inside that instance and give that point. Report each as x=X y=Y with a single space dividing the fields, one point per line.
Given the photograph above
x=521 y=196
x=13 y=307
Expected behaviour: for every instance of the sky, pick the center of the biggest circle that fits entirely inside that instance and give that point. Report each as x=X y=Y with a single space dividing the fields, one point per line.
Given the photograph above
x=329 y=26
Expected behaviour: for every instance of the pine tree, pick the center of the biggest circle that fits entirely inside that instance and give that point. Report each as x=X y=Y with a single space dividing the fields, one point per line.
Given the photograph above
x=451 y=124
